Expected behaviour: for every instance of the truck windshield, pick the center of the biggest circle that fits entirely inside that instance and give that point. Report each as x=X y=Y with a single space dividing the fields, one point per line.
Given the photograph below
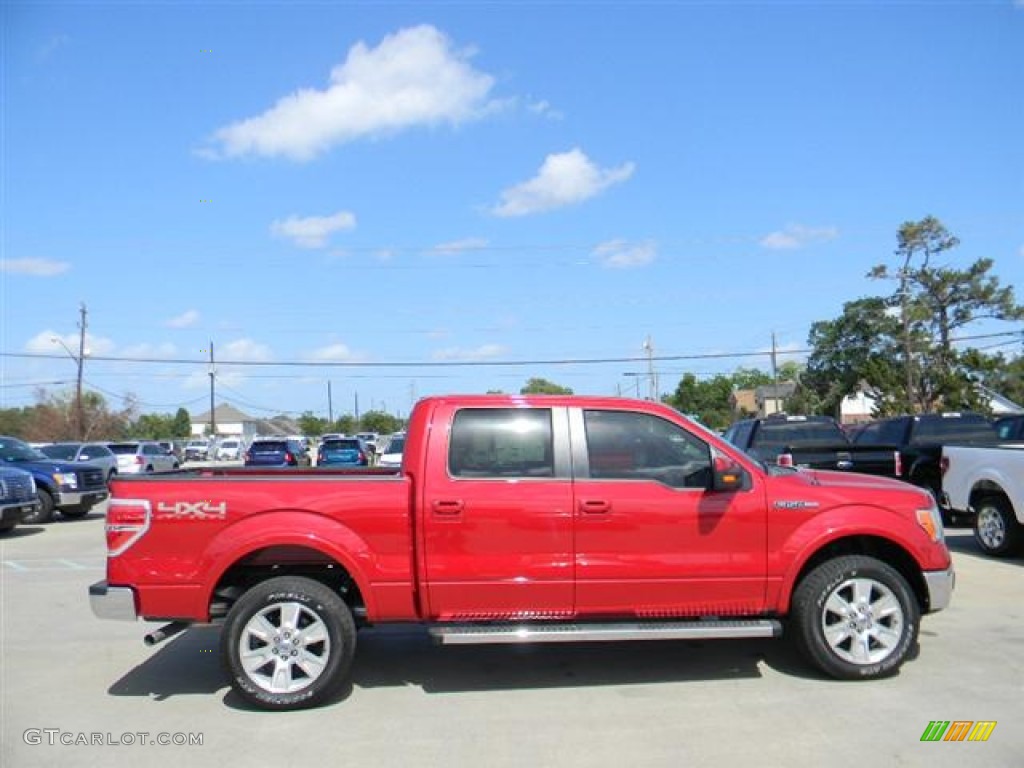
x=15 y=450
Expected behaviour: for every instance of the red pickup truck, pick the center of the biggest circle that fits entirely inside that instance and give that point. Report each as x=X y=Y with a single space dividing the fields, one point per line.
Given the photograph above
x=526 y=519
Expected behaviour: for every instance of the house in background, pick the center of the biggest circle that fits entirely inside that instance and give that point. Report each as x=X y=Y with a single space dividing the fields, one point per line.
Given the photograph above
x=771 y=398
x=229 y=422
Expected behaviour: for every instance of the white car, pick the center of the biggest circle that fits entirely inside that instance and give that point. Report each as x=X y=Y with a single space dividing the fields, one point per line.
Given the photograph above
x=230 y=449
x=391 y=455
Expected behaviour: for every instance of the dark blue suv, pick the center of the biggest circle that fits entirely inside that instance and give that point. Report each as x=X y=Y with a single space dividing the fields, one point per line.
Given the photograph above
x=276 y=452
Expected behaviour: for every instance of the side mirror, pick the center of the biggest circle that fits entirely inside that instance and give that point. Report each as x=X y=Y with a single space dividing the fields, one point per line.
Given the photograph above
x=728 y=476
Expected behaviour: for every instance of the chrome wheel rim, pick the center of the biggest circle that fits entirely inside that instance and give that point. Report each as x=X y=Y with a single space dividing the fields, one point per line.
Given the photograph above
x=991 y=529
x=284 y=648
x=862 y=621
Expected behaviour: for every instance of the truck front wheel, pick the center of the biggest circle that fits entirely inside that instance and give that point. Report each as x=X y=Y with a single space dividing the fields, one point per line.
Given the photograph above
x=855 y=618
x=288 y=643
x=995 y=527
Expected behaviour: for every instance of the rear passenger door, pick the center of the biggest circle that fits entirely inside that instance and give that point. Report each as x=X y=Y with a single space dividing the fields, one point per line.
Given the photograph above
x=498 y=516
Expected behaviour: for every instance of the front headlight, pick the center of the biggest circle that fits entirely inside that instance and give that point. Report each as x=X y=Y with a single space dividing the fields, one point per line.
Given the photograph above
x=931 y=520
x=70 y=479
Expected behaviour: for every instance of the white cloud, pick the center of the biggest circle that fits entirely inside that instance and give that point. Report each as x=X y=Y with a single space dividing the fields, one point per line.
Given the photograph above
x=620 y=254
x=185 y=320
x=313 y=231
x=49 y=343
x=413 y=78
x=456 y=247
x=564 y=179
x=483 y=352
x=34 y=267
x=544 y=109
x=797 y=236
x=333 y=353
x=243 y=350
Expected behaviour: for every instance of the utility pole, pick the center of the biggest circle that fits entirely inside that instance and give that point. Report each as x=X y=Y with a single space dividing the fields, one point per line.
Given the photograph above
x=330 y=404
x=213 y=419
x=79 y=412
x=649 y=348
x=775 y=375
x=357 y=408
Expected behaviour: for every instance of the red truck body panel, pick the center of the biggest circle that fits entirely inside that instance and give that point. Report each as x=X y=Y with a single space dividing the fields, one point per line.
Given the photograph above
x=428 y=545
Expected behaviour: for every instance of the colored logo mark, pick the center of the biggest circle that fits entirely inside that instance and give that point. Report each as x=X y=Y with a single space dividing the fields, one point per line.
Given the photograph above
x=958 y=730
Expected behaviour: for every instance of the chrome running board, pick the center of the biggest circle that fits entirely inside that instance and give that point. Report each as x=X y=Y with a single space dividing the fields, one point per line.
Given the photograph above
x=471 y=634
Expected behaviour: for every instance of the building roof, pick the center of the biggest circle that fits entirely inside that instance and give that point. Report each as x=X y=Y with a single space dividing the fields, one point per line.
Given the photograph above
x=223 y=414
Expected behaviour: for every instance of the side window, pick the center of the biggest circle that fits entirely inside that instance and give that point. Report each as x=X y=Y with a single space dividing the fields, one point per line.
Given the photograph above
x=637 y=446
x=739 y=433
x=501 y=443
x=891 y=432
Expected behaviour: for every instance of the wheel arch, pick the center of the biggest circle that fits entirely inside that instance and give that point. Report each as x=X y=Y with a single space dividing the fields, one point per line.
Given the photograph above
x=878 y=547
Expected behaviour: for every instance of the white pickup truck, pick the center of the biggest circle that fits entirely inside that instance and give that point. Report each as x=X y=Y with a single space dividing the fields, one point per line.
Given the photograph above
x=987 y=483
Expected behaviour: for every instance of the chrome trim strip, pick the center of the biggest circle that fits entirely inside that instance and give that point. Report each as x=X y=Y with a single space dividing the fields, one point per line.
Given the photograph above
x=576 y=633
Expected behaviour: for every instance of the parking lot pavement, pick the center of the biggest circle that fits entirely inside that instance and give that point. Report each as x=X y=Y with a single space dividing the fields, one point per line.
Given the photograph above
x=66 y=676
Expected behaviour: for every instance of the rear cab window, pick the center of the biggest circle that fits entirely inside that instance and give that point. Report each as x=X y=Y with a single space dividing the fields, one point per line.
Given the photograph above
x=501 y=443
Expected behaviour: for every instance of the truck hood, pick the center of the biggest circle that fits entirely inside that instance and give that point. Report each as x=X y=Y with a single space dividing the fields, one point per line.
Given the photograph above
x=48 y=467
x=839 y=487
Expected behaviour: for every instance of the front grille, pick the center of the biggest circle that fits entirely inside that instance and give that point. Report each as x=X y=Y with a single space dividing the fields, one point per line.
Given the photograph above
x=90 y=478
x=17 y=489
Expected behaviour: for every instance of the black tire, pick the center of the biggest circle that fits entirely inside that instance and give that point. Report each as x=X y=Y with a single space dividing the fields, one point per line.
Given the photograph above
x=45 y=512
x=8 y=526
x=75 y=513
x=995 y=526
x=847 y=596
x=315 y=611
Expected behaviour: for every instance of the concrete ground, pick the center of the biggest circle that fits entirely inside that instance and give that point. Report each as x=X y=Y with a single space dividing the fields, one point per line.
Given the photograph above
x=66 y=676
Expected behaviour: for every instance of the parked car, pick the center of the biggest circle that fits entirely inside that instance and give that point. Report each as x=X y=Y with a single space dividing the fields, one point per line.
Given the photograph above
x=230 y=449
x=72 y=488
x=196 y=450
x=987 y=483
x=277 y=452
x=143 y=457
x=342 y=452
x=391 y=452
x=17 y=497
x=96 y=454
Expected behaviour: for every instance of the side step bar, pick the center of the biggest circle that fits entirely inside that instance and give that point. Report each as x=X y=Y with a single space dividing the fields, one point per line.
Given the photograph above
x=471 y=634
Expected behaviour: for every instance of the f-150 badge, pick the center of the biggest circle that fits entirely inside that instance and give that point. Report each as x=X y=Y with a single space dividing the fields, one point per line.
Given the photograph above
x=192 y=510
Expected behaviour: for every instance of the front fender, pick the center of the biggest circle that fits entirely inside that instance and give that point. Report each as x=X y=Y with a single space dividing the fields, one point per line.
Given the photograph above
x=291 y=528
x=849 y=523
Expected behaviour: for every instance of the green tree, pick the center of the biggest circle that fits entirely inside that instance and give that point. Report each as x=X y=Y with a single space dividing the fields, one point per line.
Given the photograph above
x=380 y=422
x=537 y=386
x=182 y=425
x=750 y=378
x=313 y=425
x=345 y=424
x=708 y=401
x=934 y=302
x=860 y=347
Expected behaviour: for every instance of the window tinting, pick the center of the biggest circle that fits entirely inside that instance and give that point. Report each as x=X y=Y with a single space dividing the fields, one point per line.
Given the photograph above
x=638 y=446
x=501 y=442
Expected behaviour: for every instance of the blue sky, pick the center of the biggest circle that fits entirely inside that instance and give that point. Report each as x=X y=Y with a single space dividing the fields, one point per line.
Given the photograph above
x=458 y=196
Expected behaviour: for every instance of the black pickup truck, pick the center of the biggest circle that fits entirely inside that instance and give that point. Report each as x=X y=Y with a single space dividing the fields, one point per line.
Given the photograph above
x=920 y=440
x=816 y=442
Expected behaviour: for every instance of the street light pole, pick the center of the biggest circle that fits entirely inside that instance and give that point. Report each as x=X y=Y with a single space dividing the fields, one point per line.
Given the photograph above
x=79 y=414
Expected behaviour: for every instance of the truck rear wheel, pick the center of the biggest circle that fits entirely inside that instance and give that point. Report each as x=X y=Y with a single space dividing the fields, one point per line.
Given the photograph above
x=995 y=527
x=288 y=643
x=855 y=618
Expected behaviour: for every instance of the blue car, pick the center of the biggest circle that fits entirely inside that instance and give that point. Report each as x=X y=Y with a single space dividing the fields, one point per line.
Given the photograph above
x=276 y=452
x=342 y=452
